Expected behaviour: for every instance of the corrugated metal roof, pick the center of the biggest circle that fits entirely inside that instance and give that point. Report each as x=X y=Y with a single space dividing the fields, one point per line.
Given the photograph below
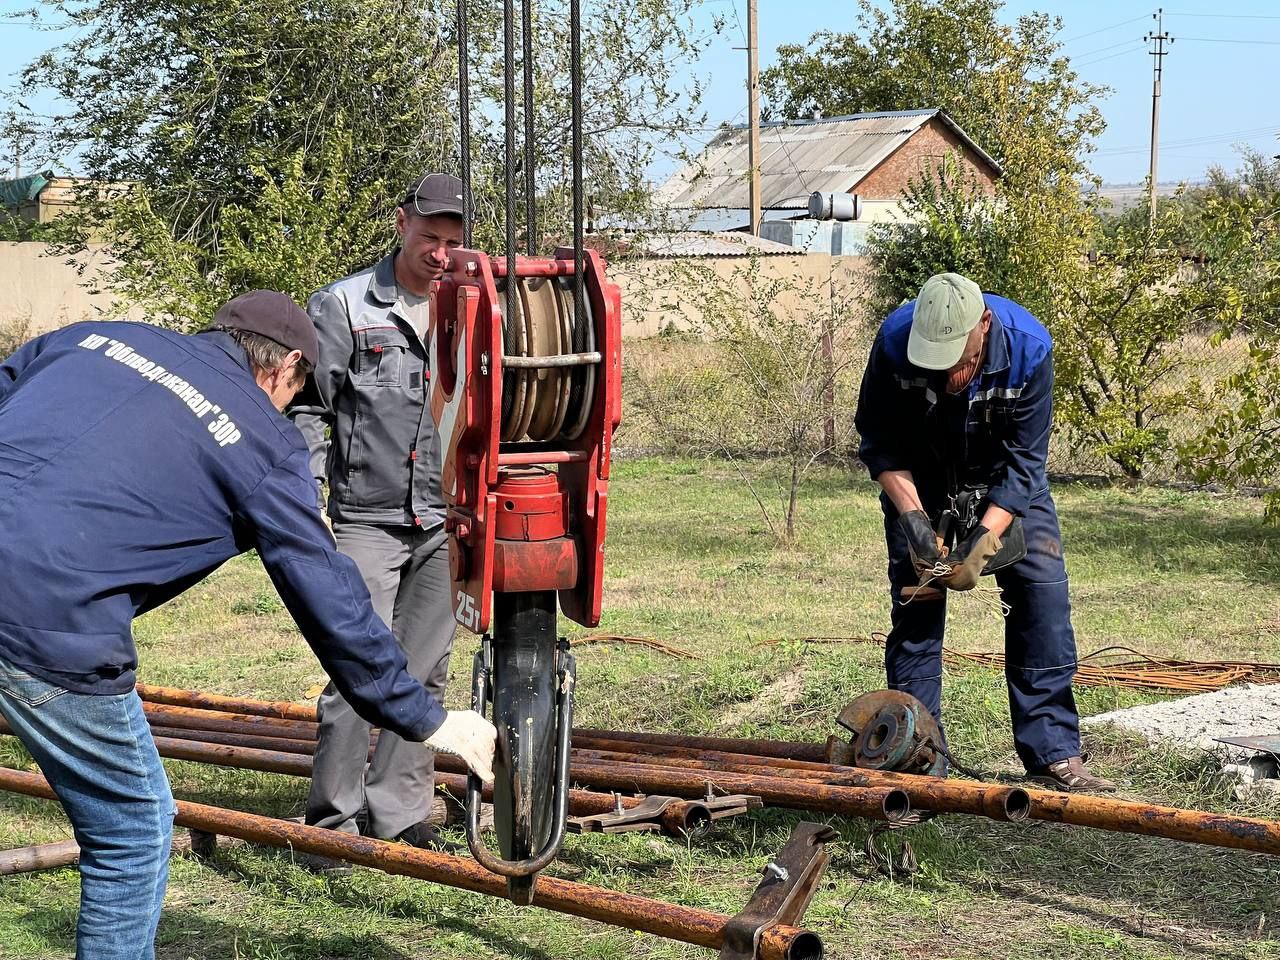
x=690 y=244
x=797 y=157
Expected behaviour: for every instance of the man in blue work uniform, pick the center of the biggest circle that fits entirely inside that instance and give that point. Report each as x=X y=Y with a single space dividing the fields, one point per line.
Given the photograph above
x=955 y=414
x=381 y=458
x=133 y=462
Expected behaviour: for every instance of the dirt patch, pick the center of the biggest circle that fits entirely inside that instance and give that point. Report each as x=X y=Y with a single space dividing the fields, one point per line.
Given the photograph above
x=777 y=696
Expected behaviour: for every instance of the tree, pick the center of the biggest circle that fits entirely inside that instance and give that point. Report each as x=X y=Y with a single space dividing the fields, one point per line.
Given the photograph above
x=1008 y=86
x=789 y=352
x=265 y=143
x=1240 y=238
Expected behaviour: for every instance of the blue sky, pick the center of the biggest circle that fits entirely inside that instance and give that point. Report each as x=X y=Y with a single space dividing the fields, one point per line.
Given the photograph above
x=1218 y=90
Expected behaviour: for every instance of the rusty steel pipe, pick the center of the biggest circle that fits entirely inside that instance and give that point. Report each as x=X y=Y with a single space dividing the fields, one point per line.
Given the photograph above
x=581 y=742
x=250 y=740
x=278 y=710
x=243 y=758
x=685 y=924
x=778 y=749
x=194 y=718
x=874 y=803
x=1173 y=823
x=1009 y=804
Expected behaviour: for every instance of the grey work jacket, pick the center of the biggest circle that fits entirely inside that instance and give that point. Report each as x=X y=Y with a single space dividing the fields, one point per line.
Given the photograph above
x=382 y=456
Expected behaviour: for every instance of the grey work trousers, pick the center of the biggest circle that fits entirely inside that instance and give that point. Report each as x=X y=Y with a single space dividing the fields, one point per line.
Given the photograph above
x=407 y=572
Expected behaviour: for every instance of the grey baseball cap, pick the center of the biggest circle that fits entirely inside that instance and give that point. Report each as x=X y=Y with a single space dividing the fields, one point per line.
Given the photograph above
x=434 y=193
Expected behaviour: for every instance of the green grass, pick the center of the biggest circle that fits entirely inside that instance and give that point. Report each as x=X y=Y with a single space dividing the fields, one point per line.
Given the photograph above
x=691 y=563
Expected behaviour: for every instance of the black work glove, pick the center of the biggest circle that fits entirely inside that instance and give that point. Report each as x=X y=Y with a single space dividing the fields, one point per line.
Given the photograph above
x=969 y=558
x=922 y=542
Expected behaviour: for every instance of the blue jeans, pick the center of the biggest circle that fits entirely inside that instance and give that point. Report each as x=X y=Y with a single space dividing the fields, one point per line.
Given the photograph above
x=1039 y=644
x=98 y=755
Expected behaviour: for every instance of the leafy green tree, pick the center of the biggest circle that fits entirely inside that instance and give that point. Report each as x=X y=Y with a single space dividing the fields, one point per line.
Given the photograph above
x=265 y=143
x=1008 y=86
x=1239 y=235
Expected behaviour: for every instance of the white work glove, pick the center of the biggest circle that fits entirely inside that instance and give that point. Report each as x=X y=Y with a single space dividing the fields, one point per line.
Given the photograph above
x=470 y=736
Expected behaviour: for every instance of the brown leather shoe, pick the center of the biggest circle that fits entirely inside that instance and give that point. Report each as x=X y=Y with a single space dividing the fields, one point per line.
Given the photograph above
x=1071 y=776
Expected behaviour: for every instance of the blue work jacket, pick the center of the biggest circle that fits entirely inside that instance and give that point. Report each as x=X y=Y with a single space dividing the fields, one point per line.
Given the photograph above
x=993 y=434
x=133 y=462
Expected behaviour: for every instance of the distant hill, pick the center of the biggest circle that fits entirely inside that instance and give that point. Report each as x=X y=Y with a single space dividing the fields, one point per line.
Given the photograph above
x=1125 y=196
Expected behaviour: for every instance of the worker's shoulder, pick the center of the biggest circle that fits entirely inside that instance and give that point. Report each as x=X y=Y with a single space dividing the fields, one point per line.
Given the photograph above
x=351 y=291
x=1018 y=320
x=894 y=331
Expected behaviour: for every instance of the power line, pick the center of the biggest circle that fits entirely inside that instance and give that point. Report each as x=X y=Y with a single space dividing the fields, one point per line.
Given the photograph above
x=1091 y=33
x=1110 y=56
x=1269 y=43
x=1230 y=16
x=1122 y=43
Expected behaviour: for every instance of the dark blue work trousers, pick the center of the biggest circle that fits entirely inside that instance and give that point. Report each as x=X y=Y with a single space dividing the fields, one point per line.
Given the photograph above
x=1039 y=644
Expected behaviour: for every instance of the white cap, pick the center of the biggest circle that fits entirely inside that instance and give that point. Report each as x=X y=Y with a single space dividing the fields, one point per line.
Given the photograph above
x=948 y=307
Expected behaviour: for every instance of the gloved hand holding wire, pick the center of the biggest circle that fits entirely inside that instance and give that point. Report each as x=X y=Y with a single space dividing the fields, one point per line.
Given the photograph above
x=969 y=558
x=922 y=541
x=470 y=736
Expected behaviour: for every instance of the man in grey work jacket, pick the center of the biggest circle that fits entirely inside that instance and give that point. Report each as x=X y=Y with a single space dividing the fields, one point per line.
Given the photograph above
x=134 y=461
x=382 y=462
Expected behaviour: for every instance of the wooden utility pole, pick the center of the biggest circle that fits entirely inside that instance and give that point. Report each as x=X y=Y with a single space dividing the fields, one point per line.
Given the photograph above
x=1158 y=39
x=753 y=100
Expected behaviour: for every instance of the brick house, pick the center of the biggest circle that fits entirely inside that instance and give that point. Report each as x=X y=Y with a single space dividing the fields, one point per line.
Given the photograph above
x=872 y=155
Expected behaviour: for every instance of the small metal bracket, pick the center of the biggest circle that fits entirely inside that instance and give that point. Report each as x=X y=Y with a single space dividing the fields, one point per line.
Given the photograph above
x=646 y=815
x=782 y=897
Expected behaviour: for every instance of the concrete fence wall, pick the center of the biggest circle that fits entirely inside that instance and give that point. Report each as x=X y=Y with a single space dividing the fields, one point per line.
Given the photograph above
x=46 y=292
x=43 y=291
x=662 y=294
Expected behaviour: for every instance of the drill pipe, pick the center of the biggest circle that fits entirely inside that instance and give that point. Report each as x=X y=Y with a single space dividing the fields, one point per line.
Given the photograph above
x=1123 y=816
x=277 y=710
x=192 y=718
x=1102 y=813
x=685 y=924
x=873 y=803
x=775 y=749
x=1008 y=804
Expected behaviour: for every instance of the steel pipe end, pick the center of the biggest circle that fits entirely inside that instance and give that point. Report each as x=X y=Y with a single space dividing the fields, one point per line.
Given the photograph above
x=782 y=942
x=690 y=817
x=806 y=946
x=1017 y=805
x=896 y=804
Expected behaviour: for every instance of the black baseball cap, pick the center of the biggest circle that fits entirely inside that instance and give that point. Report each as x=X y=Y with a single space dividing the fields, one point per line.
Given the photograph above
x=274 y=316
x=434 y=193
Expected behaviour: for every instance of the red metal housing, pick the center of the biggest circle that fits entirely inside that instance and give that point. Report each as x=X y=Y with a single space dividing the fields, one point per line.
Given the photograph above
x=512 y=528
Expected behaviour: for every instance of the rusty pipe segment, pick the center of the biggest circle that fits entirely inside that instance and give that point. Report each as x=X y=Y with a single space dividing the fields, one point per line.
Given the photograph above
x=1009 y=804
x=195 y=718
x=875 y=803
x=778 y=749
x=684 y=924
x=278 y=710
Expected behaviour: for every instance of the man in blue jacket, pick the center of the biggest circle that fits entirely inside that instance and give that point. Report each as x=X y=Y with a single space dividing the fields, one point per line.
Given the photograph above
x=955 y=415
x=133 y=462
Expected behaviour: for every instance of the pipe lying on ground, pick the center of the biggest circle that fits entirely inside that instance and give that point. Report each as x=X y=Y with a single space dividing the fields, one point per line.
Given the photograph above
x=685 y=924
x=1009 y=804
x=1193 y=826
x=44 y=856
